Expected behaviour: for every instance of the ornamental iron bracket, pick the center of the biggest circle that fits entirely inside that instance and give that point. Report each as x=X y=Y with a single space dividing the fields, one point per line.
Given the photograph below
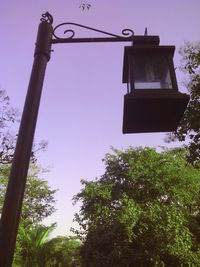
x=128 y=35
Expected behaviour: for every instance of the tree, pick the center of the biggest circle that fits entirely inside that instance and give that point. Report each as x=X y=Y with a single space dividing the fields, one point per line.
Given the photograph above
x=9 y=116
x=39 y=198
x=143 y=211
x=36 y=250
x=189 y=128
x=62 y=251
x=9 y=119
x=32 y=246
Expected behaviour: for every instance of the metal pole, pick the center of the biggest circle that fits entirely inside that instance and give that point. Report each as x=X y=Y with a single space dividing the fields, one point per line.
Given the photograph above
x=17 y=180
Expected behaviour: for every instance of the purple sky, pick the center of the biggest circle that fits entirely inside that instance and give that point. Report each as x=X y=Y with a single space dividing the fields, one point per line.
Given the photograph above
x=82 y=101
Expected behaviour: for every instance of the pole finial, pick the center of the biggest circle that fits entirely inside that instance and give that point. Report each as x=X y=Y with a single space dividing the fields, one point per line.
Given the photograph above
x=47 y=17
x=145 y=32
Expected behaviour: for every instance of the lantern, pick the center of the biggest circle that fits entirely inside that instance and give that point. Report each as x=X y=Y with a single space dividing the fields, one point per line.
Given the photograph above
x=153 y=102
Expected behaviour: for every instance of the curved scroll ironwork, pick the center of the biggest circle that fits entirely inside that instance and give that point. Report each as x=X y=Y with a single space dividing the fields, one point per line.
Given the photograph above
x=47 y=17
x=127 y=33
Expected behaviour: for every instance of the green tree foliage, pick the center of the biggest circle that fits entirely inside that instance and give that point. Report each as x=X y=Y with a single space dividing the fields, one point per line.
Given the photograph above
x=39 y=198
x=144 y=211
x=32 y=246
x=35 y=249
x=63 y=251
x=189 y=128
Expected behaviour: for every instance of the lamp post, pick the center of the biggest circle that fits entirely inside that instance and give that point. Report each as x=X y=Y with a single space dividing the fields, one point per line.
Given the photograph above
x=17 y=179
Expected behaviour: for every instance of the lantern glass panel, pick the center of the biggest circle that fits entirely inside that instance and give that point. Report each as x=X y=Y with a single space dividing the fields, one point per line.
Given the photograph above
x=151 y=72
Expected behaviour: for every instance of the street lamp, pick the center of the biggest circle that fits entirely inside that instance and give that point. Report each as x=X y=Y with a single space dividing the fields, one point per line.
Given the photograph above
x=152 y=102
x=45 y=38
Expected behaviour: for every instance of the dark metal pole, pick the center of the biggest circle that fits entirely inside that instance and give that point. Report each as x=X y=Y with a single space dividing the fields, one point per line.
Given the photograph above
x=17 y=180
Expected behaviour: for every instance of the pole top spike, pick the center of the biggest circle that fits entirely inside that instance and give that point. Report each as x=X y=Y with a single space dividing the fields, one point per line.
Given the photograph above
x=145 y=32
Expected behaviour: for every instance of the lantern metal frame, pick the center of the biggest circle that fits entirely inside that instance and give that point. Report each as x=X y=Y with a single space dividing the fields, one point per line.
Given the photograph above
x=150 y=47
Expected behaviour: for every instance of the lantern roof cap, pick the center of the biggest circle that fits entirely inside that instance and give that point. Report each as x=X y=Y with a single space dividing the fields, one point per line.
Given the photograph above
x=146 y=40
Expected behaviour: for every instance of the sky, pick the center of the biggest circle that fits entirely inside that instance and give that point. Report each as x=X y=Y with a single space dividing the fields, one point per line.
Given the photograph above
x=81 y=107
